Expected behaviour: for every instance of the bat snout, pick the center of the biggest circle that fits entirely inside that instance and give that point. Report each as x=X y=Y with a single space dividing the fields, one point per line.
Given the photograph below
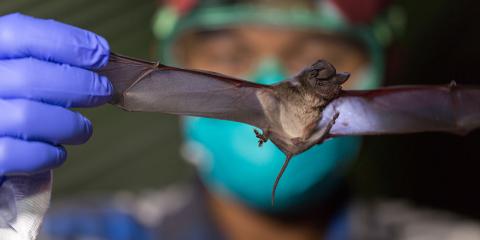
x=342 y=77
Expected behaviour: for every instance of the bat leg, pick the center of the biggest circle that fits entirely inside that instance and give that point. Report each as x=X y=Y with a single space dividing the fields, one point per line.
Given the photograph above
x=282 y=170
x=323 y=133
x=325 y=130
x=262 y=137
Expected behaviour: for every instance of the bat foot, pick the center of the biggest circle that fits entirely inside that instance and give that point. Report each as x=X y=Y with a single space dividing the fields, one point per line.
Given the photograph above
x=262 y=137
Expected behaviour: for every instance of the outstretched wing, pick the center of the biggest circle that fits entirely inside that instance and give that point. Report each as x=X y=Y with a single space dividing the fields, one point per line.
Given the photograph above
x=406 y=109
x=152 y=87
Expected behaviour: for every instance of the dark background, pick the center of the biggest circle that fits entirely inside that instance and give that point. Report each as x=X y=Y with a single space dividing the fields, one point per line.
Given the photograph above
x=128 y=151
x=441 y=44
x=136 y=151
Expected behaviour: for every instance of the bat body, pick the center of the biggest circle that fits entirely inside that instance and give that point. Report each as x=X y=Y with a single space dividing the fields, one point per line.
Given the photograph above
x=299 y=112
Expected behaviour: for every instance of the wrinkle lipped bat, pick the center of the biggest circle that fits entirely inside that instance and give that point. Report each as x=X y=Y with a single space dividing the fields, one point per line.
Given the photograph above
x=297 y=113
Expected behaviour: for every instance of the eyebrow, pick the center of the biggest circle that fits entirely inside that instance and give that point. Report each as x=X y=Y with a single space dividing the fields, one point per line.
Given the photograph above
x=342 y=39
x=206 y=34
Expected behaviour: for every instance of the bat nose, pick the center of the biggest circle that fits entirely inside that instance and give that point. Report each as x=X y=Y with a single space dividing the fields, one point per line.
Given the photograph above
x=342 y=77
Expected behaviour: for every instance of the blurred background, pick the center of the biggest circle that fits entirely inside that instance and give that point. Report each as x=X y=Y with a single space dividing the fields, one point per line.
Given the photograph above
x=138 y=151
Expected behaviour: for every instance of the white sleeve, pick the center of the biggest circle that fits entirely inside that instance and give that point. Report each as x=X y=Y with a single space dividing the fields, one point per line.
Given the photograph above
x=23 y=203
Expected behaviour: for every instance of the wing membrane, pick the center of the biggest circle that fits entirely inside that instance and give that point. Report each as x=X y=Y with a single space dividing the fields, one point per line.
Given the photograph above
x=406 y=109
x=151 y=87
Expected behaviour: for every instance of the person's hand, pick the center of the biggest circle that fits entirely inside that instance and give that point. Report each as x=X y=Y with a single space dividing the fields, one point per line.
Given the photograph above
x=44 y=69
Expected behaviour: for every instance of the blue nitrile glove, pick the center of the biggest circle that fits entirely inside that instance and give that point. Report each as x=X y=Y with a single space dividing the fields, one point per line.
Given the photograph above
x=43 y=71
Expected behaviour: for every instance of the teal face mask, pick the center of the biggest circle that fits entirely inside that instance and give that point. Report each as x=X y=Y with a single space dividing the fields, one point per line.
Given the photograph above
x=231 y=164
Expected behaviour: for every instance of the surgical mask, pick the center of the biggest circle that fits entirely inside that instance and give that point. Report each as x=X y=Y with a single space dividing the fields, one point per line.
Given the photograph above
x=231 y=164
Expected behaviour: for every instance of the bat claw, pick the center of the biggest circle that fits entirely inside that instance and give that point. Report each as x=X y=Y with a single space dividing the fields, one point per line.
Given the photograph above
x=262 y=137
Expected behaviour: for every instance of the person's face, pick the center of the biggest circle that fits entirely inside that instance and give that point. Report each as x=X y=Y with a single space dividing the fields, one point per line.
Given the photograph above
x=238 y=51
x=244 y=51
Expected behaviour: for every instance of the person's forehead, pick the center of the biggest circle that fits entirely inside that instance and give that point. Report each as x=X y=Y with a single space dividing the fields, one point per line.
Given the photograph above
x=256 y=33
x=244 y=32
x=273 y=35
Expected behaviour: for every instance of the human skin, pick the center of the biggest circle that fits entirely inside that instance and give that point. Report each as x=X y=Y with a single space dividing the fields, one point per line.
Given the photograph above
x=235 y=52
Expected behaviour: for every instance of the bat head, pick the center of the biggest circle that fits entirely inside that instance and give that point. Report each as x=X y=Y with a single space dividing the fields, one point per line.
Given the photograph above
x=322 y=78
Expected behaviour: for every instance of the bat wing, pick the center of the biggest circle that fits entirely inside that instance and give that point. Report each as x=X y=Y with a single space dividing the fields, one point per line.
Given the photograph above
x=152 y=87
x=406 y=109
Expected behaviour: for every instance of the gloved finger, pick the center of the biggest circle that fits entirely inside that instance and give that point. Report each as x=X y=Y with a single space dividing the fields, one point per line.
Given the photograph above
x=34 y=121
x=24 y=36
x=58 y=84
x=18 y=157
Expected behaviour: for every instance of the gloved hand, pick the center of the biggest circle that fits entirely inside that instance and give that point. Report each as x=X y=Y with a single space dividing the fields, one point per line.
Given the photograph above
x=44 y=69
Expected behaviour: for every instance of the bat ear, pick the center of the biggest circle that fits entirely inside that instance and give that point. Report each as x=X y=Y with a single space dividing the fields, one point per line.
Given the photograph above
x=342 y=77
x=321 y=70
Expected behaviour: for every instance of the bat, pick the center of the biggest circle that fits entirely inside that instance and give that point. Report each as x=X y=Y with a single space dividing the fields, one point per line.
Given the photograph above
x=299 y=112
x=294 y=114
